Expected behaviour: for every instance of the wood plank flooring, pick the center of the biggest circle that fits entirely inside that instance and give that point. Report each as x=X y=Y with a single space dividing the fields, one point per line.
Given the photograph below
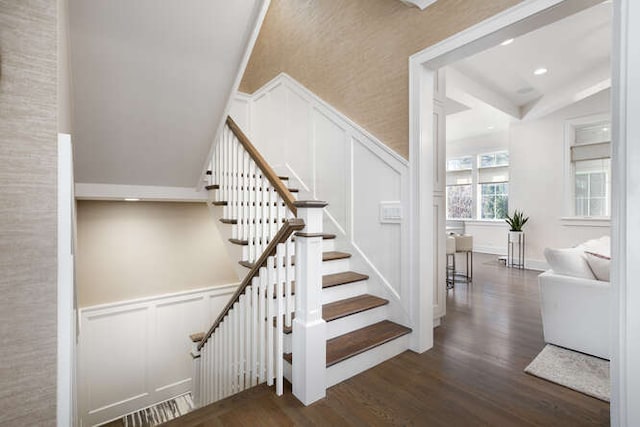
x=472 y=377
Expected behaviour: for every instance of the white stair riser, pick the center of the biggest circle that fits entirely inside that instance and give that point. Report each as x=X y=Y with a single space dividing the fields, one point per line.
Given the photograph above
x=340 y=292
x=360 y=363
x=335 y=266
x=328 y=245
x=347 y=324
x=356 y=321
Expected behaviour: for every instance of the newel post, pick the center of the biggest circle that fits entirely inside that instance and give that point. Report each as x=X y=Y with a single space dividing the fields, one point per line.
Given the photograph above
x=309 y=328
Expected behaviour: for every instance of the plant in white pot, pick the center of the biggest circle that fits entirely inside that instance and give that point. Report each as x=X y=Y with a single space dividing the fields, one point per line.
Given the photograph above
x=517 y=221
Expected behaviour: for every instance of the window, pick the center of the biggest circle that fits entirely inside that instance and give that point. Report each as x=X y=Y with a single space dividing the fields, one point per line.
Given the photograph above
x=460 y=188
x=459 y=201
x=590 y=153
x=493 y=179
x=477 y=186
x=494 y=200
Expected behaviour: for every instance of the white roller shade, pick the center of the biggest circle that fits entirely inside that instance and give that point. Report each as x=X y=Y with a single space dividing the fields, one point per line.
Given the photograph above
x=593 y=133
x=601 y=150
x=459 y=177
x=494 y=174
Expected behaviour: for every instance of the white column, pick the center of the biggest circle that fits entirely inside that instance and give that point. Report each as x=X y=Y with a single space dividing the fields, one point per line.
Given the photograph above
x=309 y=329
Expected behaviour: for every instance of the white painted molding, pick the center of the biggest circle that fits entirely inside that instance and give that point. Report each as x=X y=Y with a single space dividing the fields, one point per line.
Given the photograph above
x=536 y=264
x=357 y=139
x=491 y=250
x=484 y=223
x=66 y=310
x=284 y=78
x=585 y=222
x=87 y=191
x=420 y=4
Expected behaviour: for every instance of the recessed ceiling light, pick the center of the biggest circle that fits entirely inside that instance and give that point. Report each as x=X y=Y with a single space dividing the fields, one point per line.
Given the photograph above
x=605 y=129
x=540 y=71
x=491 y=127
x=131 y=199
x=506 y=42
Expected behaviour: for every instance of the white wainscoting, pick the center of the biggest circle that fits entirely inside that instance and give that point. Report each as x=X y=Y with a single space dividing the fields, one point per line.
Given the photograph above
x=329 y=157
x=133 y=354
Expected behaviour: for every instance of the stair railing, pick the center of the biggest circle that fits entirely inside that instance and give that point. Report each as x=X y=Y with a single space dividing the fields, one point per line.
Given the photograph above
x=241 y=347
x=254 y=194
x=244 y=346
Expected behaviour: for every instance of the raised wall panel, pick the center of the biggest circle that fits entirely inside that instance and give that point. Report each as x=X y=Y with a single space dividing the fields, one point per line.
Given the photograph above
x=134 y=354
x=299 y=152
x=174 y=322
x=115 y=357
x=332 y=158
x=439 y=262
x=374 y=181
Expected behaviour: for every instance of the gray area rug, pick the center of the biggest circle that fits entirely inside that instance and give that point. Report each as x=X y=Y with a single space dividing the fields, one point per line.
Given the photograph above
x=160 y=413
x=577 y=371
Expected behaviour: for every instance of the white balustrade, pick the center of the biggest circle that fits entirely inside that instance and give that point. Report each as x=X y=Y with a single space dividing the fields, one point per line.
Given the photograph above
x=245 y=345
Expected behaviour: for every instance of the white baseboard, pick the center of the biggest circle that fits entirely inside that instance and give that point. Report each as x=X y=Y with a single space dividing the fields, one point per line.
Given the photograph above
x=492 y=250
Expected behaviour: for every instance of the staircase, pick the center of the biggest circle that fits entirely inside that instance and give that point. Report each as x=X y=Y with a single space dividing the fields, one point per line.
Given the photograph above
x=298 y=291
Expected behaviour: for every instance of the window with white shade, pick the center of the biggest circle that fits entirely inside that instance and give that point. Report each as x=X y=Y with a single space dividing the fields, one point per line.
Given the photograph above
x=477 y=186
x=590 y=176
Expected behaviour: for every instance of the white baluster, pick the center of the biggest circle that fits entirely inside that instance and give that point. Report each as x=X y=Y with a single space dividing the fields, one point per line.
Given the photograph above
x=241 y=341
x=264 y=319
x=280 y=276
x=255 y=303
x=254 y=190
x=290 y=277
x=271 y=273
x=247 y=337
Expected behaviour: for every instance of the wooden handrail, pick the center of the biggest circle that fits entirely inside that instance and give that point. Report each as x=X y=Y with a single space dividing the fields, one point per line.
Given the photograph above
x=295 y=224
x=273 y=178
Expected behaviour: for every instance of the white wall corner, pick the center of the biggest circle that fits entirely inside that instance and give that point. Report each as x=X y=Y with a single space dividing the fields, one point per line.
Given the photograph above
x=420 y=4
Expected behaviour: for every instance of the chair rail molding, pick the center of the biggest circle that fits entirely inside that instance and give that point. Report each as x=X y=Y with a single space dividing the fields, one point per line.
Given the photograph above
x=330 y=157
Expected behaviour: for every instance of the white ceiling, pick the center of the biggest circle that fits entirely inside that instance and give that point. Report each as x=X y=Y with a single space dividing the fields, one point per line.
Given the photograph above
x=150 y=83
x=499 y=85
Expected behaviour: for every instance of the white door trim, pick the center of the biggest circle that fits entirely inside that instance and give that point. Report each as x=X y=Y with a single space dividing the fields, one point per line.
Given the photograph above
x=515 y=21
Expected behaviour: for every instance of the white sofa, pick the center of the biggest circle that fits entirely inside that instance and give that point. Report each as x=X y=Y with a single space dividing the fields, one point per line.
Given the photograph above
x=575 y=297
x=576 y=313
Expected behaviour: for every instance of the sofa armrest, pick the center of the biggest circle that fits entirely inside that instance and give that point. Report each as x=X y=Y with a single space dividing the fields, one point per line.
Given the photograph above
x=576 y=313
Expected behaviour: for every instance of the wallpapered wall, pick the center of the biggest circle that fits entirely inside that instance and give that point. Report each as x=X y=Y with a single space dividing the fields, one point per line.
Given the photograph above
x=355 y=53
x=28 y=245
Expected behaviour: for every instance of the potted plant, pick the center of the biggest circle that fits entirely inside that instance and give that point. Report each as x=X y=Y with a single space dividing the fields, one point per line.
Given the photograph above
x=517 y=221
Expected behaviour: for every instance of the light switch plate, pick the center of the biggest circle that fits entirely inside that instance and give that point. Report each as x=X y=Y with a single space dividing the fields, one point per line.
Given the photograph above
x=390 y=212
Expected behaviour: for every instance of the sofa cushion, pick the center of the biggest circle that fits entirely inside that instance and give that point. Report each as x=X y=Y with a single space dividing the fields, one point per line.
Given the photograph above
x=601 y=246
x=569 y=262
x=599 y=264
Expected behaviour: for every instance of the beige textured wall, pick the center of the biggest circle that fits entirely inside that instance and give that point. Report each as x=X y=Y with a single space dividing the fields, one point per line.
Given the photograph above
x=355 y=53
x=28 y=158
x=131 y=250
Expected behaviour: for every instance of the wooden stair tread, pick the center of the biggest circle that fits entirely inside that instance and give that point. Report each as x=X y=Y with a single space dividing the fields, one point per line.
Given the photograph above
x=345 y=277
x=239 y=242
x=346 y=307
x=326 y=256
x=357 y=342
x=228 y=221
x=212 y=187
x=334 y=255
x=219 y=203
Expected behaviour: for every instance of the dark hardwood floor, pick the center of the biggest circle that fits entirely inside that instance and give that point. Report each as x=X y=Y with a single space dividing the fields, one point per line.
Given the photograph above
x=473 y=376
